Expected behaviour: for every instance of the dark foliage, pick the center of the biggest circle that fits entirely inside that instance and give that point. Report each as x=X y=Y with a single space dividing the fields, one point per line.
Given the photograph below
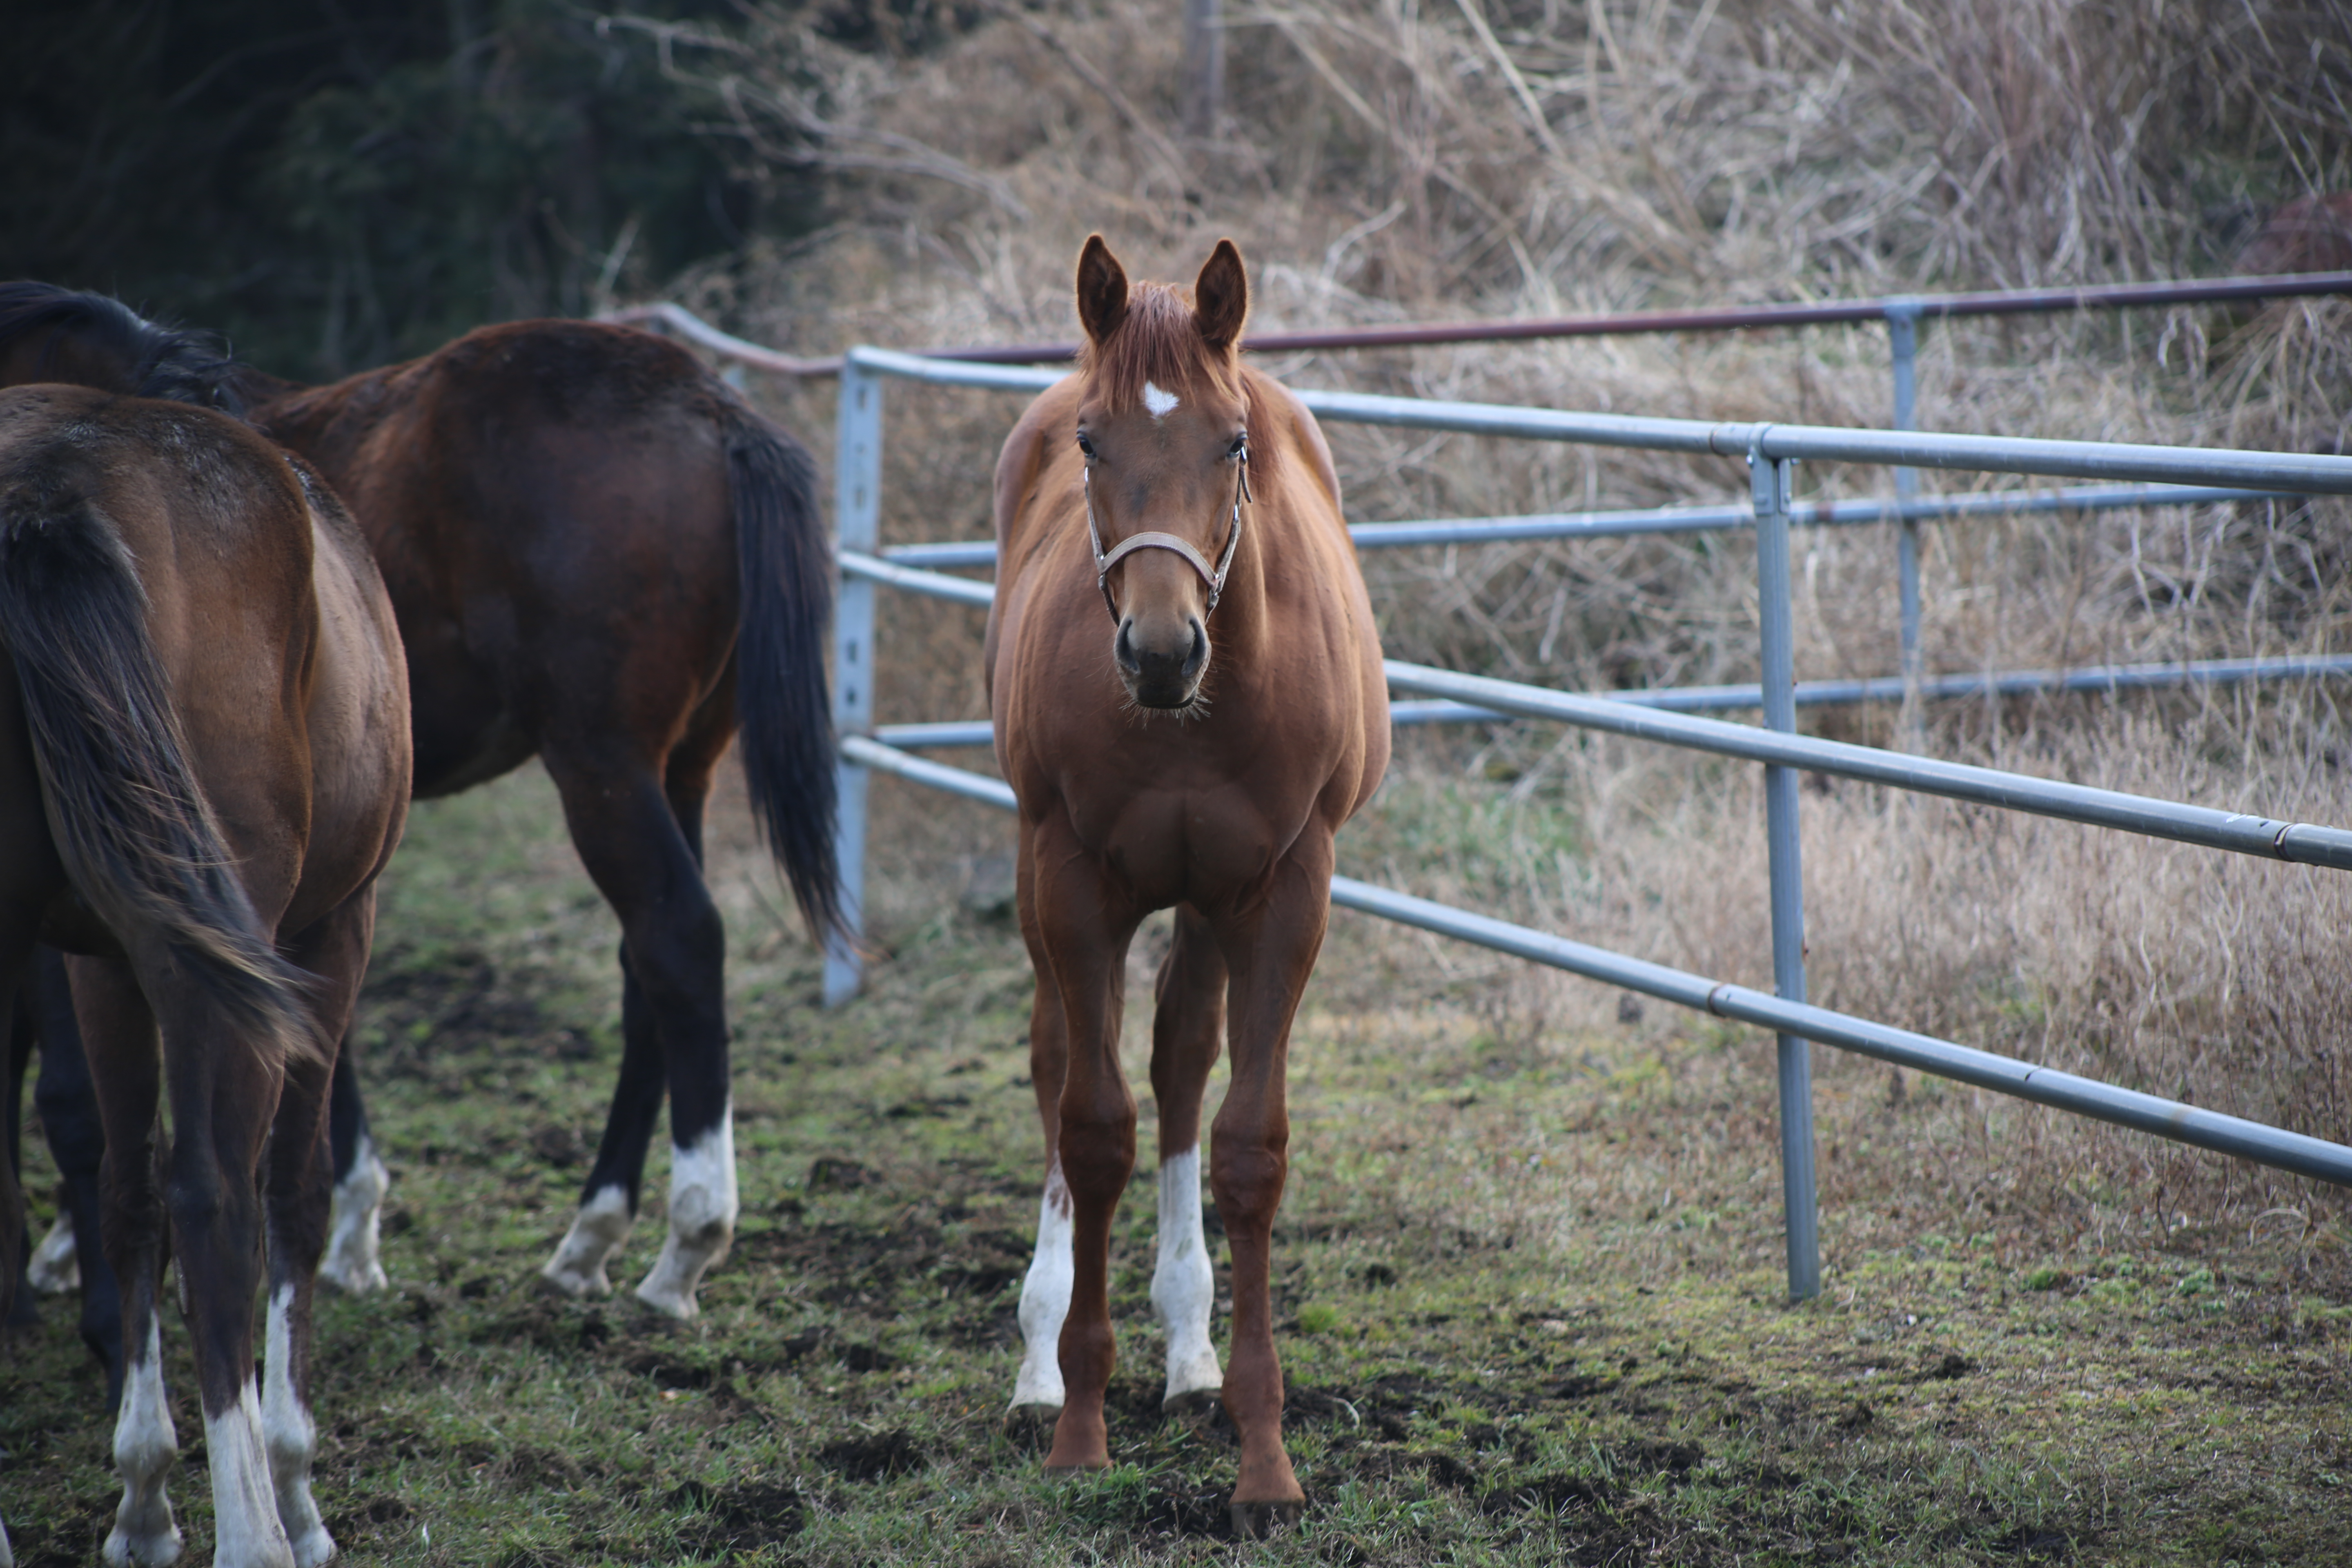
x=337 y=185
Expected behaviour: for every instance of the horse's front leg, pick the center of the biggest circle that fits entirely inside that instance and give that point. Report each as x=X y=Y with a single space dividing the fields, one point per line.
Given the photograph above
x=1271 y=952
x=1187 y=1030
x=1084 y=926
x=1045 y=1290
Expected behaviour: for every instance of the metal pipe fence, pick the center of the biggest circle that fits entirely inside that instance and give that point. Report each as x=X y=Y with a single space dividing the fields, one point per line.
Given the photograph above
x=1901 y=313
x=1769 y=450
x=2292 y=1152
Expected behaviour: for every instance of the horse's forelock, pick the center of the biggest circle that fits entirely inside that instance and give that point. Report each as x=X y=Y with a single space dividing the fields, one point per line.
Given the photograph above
x=1158 y=342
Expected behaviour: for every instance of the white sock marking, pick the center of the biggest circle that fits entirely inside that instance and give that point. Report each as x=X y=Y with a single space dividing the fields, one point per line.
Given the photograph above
x=246 y=1530
x=56 y=1268
x=1183 y=1285
x=354 y=1260
x=701 y=1219
x=146 y=1446
x=1160 y=403
x=1046 y=1297
x=597 y=1231
x=291 y=1438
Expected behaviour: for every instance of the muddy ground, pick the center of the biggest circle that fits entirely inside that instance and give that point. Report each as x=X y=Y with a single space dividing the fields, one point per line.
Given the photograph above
x=1498 y=1351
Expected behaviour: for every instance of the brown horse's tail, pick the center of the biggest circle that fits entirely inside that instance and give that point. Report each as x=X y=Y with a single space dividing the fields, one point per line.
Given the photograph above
x=131 y=825
x=781 y=699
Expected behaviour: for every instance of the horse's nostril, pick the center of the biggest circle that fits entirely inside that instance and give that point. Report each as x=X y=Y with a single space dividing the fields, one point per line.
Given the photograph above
x=1198 y=654
x=1123 y=649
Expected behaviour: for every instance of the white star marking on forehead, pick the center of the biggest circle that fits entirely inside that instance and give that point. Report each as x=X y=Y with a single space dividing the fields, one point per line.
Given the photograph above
x=1162 y=404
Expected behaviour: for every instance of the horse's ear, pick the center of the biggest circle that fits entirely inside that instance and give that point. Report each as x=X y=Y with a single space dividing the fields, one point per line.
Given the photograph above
x=1102 y=289
x=1220 y=296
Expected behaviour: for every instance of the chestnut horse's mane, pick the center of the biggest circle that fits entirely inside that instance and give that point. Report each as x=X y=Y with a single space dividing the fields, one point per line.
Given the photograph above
x=1159 y=341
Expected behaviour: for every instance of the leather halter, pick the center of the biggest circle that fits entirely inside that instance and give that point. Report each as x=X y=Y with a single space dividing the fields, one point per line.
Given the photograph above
x=1214 y=577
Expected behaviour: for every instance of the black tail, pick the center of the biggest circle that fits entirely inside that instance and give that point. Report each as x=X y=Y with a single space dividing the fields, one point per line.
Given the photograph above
x=133 y=827
x=781 y=697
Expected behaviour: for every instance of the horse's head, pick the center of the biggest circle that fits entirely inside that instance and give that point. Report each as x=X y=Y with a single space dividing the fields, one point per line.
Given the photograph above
x=1162 y=422
x=48 y=333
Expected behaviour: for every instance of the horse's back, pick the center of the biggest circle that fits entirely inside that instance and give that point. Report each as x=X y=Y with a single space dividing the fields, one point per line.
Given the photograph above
x=550 y=505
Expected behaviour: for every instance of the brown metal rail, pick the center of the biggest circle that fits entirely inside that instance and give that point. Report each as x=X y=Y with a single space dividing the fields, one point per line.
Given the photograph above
x=1913 y=307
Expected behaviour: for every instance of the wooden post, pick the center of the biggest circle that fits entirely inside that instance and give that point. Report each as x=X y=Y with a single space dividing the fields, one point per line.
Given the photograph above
x=1204 y=67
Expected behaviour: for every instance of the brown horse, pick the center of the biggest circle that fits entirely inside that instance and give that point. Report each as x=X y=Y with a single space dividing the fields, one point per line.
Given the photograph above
x=1154 y=770
x=204 y=765
x=600 y=557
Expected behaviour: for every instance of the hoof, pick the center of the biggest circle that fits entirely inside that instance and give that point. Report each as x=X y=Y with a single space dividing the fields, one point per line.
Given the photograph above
x=1032 y=1426
x=126 y=1550
x=1194 y=1406
x=354 y=1279
x=1077 y=1469
x=571 y=1286
x=678 y=1307
x=1256 y=1521
x=56 y=1268
x=313 y=1549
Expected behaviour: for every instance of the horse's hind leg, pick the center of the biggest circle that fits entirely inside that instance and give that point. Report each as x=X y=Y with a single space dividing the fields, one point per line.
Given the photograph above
x=1186 y=1032
x=608 y=1206
x=644 y=855
x=16 y=1309
x=225 y=1089
x=298 y=1177
x=119 y=1034
x=354 y=1259
x=69 y=1107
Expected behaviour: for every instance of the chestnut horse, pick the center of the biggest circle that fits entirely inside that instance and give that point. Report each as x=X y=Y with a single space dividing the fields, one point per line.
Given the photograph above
x=1157 y=770
x=599 y=557
x=204 y=765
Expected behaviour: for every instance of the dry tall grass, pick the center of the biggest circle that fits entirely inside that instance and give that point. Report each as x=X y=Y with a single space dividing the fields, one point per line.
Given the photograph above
x=1386 y=160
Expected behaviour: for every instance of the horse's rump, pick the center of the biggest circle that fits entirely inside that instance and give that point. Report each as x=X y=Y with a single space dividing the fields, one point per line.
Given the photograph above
x=138 y=836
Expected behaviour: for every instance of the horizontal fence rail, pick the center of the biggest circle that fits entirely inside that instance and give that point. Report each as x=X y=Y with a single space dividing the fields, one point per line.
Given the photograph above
x=2258 y=836
x=2225 y=468
x=2291 y=1151
x=957 y=733
x=1905 y=307
x=1718 y=518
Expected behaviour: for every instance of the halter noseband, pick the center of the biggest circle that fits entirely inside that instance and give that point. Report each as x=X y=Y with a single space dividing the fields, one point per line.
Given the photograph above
x=1215 y=578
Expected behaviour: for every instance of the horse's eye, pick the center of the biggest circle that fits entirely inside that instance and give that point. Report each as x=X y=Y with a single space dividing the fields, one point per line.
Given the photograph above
x=1086 y=446
x=1240 y=448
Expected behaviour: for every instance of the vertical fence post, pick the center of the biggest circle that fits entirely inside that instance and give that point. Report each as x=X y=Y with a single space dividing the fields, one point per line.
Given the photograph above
x=856 y=509
x=1769 y=482
x=1902 y=339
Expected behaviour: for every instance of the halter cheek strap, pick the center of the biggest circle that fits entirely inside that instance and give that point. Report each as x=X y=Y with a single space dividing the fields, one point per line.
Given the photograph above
x=1213 y=576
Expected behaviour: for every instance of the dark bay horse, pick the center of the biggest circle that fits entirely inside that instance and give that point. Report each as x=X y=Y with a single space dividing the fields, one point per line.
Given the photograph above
x=204 y=765
x=1157 y=769
x=600 y=557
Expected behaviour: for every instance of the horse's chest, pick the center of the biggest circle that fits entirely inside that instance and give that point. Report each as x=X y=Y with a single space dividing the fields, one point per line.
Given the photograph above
x=1173 y=845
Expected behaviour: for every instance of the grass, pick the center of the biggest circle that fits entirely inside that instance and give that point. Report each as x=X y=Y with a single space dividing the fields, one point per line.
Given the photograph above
x=1527 y=1283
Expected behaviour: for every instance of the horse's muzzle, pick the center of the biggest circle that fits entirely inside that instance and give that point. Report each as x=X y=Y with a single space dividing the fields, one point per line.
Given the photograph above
x=1162 y=671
